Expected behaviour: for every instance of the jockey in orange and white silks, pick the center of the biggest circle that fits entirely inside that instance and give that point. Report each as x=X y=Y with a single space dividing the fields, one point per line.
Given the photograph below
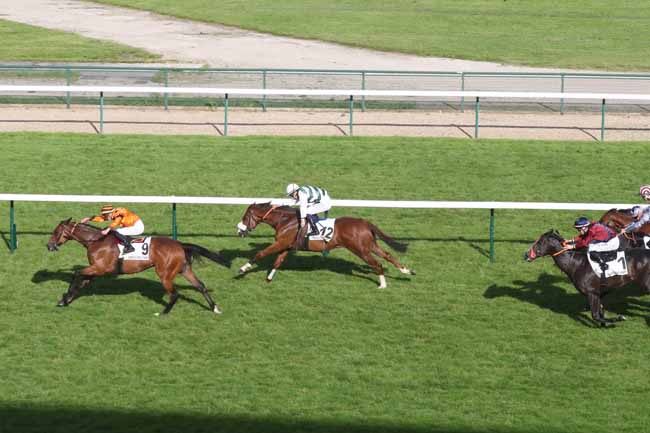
x=312 y=201
x=123 y=223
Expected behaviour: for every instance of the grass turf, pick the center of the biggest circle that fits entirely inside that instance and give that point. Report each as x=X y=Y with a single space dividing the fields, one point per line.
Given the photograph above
x=582 y=34
x=465 y=345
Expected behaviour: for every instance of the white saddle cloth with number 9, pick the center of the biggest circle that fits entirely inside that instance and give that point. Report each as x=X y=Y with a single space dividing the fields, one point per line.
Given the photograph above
x=142 y=248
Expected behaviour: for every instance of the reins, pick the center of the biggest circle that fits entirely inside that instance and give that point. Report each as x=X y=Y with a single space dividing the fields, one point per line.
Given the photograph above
x=271 y=209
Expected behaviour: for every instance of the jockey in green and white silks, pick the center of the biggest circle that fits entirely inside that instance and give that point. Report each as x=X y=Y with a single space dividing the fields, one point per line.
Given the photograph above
x=312 y=201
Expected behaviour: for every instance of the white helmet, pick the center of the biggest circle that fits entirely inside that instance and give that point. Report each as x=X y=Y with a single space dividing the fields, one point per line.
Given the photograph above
x=291 y=188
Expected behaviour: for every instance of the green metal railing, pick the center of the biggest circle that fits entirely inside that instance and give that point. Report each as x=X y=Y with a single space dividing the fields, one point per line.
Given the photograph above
x=162 y=75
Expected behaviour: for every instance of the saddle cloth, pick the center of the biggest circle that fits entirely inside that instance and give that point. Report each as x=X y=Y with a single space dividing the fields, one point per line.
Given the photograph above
x=608 y=254
x=325 y=230
x=142 y=248
x=646 y=242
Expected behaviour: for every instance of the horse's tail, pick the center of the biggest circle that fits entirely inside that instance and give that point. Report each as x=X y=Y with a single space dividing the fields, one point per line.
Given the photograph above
x=193 y=251
x=397 y=246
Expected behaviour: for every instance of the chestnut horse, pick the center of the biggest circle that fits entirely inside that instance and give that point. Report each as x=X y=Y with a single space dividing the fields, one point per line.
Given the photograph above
x=619 y=218
x=355 y=234
x=167 y=256
x=576 y=265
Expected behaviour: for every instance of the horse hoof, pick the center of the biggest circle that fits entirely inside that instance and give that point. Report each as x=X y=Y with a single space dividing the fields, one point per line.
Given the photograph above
x=621 y=318
x=61 y=304
x=216 y=310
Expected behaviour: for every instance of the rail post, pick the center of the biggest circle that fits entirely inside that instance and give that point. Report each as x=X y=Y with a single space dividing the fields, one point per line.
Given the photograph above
x=351 y=110
x=462 y=89
x=13 y=242
x=264 y=87
x=174 y=227
x=476 y=111
x=561 y=91
x=225 y=115
x=68 y=81
x=491 y=235
x=602 y=121
x=166 y=95
x=101 y=112
x=363 y=87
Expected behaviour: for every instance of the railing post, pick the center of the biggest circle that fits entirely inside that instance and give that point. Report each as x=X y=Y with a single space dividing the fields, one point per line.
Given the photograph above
x=602 y=121
x=101 y=112
x=264 y=87
x=225 y=115
x=491 y=235
x=351 y=110
x=476 y=111
x=561 y=91
x=166 y=95
x=13 y=242
x=363 y=87
x=68 y=81
x=174 y=228
x=462 y=89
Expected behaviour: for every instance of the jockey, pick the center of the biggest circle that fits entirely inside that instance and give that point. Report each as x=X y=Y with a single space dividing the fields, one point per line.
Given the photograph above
x=312 y=200
x=123 y=223
x=641 y=214
x=590 y=231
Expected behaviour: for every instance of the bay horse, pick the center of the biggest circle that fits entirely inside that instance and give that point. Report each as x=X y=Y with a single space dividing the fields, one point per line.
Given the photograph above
x=169 y=258
x=356 y=234
x=575 y=265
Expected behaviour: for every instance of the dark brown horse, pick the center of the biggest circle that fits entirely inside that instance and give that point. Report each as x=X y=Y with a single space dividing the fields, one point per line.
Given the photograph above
x=620 y=218
x=576 y=265
x=167 y=256
x=357 y=235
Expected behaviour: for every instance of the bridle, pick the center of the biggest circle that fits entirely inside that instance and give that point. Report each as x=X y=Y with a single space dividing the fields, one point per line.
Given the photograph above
x=66 y=233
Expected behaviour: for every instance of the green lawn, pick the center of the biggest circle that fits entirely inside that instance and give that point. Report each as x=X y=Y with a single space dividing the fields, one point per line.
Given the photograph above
x=24 y=43
x=603 y=35
x=463 y=346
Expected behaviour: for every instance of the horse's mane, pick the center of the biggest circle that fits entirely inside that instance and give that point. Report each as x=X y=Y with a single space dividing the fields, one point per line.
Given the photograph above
x=286 y=209
x=554 y=234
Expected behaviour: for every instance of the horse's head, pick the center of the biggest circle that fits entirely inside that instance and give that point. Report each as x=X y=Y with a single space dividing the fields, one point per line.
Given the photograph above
x=617 y=218
x=254 y=214
x=60 y=235
x=549 y=243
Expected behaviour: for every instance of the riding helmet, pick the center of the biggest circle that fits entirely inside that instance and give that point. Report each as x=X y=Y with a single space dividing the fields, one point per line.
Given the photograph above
x=581 y=222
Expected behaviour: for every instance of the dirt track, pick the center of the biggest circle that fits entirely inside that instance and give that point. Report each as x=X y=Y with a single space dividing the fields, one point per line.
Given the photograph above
x=119 y=120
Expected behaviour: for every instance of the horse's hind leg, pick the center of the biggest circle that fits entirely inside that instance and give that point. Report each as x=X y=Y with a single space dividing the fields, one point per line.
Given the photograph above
x=367 y=257
x=190 y=276
x=385 y=255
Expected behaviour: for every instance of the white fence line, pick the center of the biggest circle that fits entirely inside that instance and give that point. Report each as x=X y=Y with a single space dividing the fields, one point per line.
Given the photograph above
x=402 y=204
x=317 y=92
x=399 y=204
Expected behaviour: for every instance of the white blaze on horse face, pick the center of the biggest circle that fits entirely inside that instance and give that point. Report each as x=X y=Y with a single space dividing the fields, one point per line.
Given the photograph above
x=382 y=282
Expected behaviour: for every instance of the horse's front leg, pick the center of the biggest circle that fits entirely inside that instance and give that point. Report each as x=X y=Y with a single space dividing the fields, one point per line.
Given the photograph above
x=79 y=281
x=278 y=262
x=271 y=249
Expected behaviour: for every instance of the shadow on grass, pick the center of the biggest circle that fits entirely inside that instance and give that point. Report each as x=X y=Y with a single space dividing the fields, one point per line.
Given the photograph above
x=304 y=261
x=108 y=285
x=32 y=419
x=546 y=293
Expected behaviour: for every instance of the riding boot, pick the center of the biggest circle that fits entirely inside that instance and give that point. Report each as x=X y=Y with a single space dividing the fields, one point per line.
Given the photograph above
x=302 y=233
x=128 y=248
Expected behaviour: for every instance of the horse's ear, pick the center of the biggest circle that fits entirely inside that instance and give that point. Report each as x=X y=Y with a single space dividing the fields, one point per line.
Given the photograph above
x=67 y=221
